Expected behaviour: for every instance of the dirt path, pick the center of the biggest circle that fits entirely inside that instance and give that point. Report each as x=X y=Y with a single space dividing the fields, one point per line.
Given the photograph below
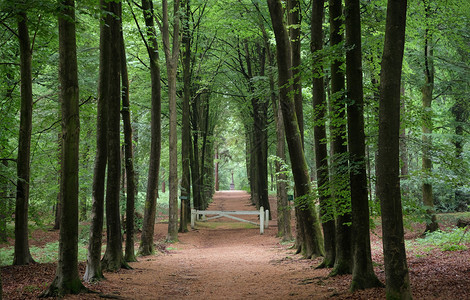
x=225 y=259
x=218 y=261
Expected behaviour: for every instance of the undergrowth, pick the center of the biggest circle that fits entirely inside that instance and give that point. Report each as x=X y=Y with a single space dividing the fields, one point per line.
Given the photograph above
x=46 y=254
x=453 y=240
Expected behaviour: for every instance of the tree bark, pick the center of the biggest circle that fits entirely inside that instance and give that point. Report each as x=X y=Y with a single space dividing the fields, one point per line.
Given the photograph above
x=427 y=91
x=312 y=240
x=93 y=270
x=461 y=114
x=194 y=155
x=339 y=162
x=128 y=153
x=171 y=58
x=388 y=179
x=319 y=128
x=283 y=207
x=22 y=255
x=294 y=21
x=113 y=258
x=186 y=126
x=67 y=280
x=363 y=272
x=146 y=243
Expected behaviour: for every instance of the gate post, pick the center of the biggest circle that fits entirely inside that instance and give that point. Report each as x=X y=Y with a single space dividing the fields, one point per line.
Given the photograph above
x=261 y=220
x=193 y=217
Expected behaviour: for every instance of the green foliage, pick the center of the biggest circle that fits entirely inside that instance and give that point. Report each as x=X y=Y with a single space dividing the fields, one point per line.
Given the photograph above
x=453 y=240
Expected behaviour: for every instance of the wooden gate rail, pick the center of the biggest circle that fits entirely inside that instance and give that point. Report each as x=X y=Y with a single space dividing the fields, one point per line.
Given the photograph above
x=263 y=216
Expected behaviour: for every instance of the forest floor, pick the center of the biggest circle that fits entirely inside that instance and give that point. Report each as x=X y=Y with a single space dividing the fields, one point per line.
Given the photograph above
x=224 y=259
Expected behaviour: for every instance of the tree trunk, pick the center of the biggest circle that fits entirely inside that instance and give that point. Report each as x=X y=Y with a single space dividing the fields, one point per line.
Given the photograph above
x=93 y=270
x=427 y=90
x=283 y=207
x=461 y=113
x=113 y=258
x=171 y=58
x=186 y=126
x=22 y=255
x=388 y=179
x=363 y=272
x=128 y=154
x=321 y=154
x=194 y=156
x=294 y=21
x=67 y=280
x=204 y=149
x=339 y=162
x=216 y=168
x=312 y=240
x=59 y=180
x=146 y=243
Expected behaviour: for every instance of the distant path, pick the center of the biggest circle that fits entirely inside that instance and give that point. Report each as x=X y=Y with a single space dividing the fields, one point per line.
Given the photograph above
x=219 y=263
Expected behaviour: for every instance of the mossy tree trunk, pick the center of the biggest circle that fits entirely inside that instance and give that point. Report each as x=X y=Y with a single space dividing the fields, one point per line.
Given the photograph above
x=67 y=280
x=363 y=272
x=312 y=240
x=388 y=179
x=146 y=241
x=327 y=212
x=22 y=255
x=339 y=163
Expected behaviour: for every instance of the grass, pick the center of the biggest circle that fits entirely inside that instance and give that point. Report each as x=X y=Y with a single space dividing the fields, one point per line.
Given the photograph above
x=225 y=225
x=47 y=254
x=456 y=239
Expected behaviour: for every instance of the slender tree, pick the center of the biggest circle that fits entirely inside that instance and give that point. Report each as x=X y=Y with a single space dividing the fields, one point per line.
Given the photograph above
x=319 y=130
x=113 y=258
x=339 y=163
x=388 y=179
x=427 y=94
x=22 y=255
x=67 y=280
x=363 y=272
x=146 y=243
x=171 y=58
x=294 y=20
x=185 y=121
x=283 y=208
x=93 y=270
x=312 y=242
x=128 y=152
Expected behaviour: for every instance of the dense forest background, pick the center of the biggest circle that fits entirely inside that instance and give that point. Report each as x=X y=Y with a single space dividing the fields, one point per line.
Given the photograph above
x=225 y=75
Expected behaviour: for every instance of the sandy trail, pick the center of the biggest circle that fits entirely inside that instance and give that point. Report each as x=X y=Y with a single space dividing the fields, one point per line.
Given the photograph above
x=220 y=263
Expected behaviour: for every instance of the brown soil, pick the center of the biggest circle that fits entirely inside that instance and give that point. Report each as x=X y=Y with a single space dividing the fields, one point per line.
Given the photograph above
x=223 y=259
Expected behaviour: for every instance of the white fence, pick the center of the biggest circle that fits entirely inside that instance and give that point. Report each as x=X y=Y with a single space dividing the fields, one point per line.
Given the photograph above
x=215 y=214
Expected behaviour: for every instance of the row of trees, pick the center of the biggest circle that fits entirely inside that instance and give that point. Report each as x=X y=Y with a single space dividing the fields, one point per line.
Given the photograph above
x=219 y=64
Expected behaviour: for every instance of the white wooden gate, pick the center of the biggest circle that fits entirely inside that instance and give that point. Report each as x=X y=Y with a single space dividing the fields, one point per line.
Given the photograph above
x=215 y=214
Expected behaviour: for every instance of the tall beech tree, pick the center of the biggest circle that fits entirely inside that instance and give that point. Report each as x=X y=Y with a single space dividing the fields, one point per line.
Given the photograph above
x=185 y=121
x=283 y=208
x=319 y=130
x=388 y=179
x=312 y=240
x=171 y=58
x=146 y=242
x=67 y=280
x=93 y=271
x=294 y=20
x=363 y=272
x=22 y=255
x=339 y=162
x=128 y=151
x=427 y=95
x=113 y=258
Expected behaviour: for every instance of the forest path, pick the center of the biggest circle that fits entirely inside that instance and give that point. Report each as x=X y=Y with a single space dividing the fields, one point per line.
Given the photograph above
x=222 y=260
